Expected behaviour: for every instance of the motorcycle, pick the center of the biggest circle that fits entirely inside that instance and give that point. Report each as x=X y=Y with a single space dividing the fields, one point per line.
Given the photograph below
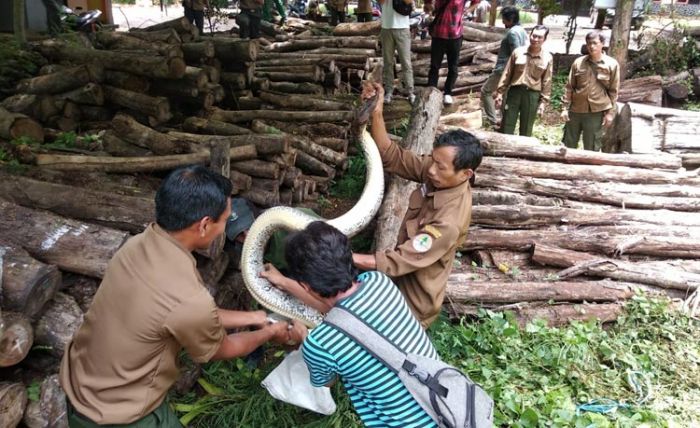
x=88 y=22
x=297 y=9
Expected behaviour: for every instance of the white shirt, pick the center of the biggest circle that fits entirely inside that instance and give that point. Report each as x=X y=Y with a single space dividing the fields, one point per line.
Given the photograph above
x=391 y=19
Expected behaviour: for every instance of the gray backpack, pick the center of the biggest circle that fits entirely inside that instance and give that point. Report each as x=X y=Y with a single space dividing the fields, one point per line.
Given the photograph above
x=444 y=392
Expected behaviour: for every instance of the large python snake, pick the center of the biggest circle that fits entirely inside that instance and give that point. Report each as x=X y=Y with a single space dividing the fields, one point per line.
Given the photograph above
x=291 y=219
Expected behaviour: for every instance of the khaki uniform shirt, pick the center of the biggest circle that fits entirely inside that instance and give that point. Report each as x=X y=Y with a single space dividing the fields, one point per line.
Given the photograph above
x=151 y=303
x=434 y=226
x=364 y=6
x=251 y=4
x=531 y=70
x=592 y=87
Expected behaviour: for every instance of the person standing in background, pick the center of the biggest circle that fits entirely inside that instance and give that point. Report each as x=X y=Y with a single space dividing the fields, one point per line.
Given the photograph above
x=396 y=36
x=194 y=12
x=513 y=39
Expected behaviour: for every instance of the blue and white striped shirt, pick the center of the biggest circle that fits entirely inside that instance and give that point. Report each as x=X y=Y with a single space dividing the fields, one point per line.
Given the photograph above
x=377 y=393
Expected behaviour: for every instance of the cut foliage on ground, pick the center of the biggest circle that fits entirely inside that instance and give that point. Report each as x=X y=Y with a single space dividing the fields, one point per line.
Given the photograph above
x=642 y=371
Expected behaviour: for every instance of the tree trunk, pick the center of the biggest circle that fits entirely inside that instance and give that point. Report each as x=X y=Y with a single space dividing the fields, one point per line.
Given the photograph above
x=62 y=80
x=605 y=243
x=50 y=410
x=292 y=116
x=13 y=400
x=143 y=65
x=294 y=62
x=220 y=163
x=156 y=107
x=690 y=160
x=241 y=182
x=232 y=50
x=312 y=166
x=208 y=126
x=197 y=76
x=124 y=41
x=462 y=289
x=15 y=125
x=299 y=102
x=175 y=88
x=264 y=198
x=419 y=140
x=515 y=146
x=27 y=284
x=478 y=35
x=132 y=131
x=19 y=19
x=644 y=90
x=58 y=324
x=353 y=29
x=257 y=168
x=71 y=245
x=90 y=94
x=580 y=263
x=620 y=38
x=181 y=25
x=676 y=94
x=264 y=144
x=123 y=212
x=16 y=340
x=291 y=76
x=167 y=35
x=554 y=315
x=195 y=53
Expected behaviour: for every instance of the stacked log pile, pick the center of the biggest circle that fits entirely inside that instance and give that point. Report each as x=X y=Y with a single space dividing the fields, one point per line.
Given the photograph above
x=567 y=234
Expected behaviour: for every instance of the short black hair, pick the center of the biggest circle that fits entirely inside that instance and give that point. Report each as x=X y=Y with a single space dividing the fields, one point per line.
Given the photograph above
x=511 y=13
x=469 y=150
x=189 y=194
x=595 y=33
x=320 y=256
x=541 y=27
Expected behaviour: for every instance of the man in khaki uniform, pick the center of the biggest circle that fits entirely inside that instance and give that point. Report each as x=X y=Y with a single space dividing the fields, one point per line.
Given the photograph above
x=337 y=11
x=151 y=304
x=438 y=214
x=527 y=77
x=364 y=11
x=194 y=12
x=591 y=93
x=248 y=19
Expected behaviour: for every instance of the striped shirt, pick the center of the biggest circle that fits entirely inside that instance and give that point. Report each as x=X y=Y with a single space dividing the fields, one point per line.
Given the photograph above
x=376 y=392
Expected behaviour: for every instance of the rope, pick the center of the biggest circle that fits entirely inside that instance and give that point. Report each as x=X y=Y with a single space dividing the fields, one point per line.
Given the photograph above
x=640 y=385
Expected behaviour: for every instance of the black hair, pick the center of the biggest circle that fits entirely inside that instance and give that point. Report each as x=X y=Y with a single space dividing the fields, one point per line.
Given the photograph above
x=595 y=33
x=189 y=194
x=511 y=13
x=469 y=151
x=320 y=256
x=541 y=27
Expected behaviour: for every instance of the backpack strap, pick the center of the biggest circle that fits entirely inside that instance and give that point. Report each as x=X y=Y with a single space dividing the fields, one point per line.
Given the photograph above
x=379 y=347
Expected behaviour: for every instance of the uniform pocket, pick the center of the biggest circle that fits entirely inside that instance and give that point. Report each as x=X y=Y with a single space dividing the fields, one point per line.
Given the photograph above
x=536 y=71
x=603 y=75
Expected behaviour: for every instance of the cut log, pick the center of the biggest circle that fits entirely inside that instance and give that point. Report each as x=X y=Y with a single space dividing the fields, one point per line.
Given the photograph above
x=232 y=50
x=580 y=263
x=298 y=102
x=58 y=324
x=234 y=81
x=676 y=94
x=527 y=216
x=50 y=410
x=13 y=400
x=644 y=90
x=614 y=194
x=116 y=146
x=136 y=164
x=261 y=197
x=15 y=125
x=497 y=144
x=16 y=340
x=241 y=182
x=296 y=88
x=293 y=62
x=690 y=160
x=69 y=244
x=143 y=65
x=257 y=168
x=554 y=315
x=175 y=88
x=293 y=116
x=220 y=163
x=168 y=35
x=62 y=80
x=371 y=28
x=197 y=76
x=130 y=130
x=156 y=107
x=90 y=94
x=181 y=25
x=317 y=76
x=198 y=52
x=130 y=213
x=212 y=270
x=125 y=41
x=419 y=140
x=647 y=129
x=264 y=144
x=208 y=126
x=605 y=243
x=461 y=289
x=128 y=81
x=338 y=144
x=27 y=284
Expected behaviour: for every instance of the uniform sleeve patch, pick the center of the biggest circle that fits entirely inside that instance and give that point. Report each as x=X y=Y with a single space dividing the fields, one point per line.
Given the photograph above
x=433 y=231
x=422 y=242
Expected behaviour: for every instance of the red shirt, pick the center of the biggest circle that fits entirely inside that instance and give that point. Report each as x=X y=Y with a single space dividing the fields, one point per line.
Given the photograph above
x=449 y=24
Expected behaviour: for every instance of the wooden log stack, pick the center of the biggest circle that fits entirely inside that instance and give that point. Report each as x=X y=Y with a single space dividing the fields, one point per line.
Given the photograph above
x=568 y=234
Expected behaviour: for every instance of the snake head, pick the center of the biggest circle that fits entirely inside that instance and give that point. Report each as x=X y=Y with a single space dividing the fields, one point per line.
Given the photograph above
x=363 y=113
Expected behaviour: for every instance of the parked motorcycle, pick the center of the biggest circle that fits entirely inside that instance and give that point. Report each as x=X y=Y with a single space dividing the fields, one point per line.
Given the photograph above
x=87 y=22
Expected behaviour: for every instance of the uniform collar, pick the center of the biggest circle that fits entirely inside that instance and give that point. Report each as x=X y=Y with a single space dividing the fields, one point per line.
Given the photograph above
x=160 y=233
x=443 y=196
